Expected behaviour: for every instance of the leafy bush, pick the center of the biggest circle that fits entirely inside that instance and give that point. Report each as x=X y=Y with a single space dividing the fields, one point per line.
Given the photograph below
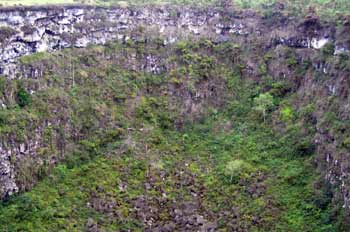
x=263 y=103
x=328 y=49
x=23 y=97
x=292 y=61
x=287 y=113
x=301 y=136
x=346 y=143
x=307 y=112
x=237 y=169
x=262 y=69
x=145 y=111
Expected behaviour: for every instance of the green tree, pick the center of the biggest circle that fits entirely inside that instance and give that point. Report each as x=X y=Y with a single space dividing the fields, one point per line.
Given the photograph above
x=263 y=103
x=236 y=169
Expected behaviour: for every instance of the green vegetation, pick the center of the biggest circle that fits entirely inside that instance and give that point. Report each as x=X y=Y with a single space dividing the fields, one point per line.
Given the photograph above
x=34 y=2
x=23 y=97
x=135 y=152
x=217 y=139
x=237 y=169
x=322 y=7
x=274 y=192
x=263 y=103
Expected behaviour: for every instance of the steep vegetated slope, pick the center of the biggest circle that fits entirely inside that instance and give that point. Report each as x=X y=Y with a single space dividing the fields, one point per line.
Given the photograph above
x=234 y=132
x=189 y=149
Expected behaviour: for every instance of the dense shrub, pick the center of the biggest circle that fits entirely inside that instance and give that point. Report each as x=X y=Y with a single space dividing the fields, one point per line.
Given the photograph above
x=23 y=97
x=237 y=169
x=328 y=49
x=263 y=103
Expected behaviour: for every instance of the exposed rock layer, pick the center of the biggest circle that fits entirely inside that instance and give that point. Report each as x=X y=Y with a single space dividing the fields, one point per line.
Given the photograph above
x=30 y=30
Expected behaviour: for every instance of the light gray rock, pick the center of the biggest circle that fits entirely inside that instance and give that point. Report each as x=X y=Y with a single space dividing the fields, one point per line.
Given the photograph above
x=79 y=26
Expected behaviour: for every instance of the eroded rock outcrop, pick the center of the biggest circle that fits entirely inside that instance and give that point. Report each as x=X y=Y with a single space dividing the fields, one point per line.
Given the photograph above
x=30 y=30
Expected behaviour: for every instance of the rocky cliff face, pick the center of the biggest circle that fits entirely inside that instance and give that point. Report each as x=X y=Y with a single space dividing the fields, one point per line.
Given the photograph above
x=27 y=31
